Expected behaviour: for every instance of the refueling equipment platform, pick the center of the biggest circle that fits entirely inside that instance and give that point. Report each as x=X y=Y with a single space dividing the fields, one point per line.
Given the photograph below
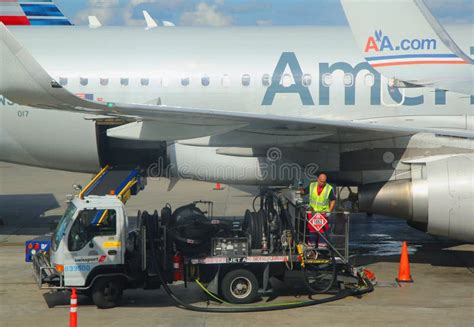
x=234 y=260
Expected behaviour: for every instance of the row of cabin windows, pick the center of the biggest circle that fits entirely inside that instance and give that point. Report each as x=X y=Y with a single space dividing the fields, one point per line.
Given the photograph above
x=286 y=80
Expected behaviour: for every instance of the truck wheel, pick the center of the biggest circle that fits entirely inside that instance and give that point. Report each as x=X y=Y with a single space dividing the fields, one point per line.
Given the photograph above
x=107 y=293
x=239 y=286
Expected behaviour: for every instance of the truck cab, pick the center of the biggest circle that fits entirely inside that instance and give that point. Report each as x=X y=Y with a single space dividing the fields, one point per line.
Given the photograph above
x=89 y=238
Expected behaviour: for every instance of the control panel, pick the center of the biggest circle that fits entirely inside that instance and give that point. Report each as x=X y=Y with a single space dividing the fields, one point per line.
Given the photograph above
x=230 y=247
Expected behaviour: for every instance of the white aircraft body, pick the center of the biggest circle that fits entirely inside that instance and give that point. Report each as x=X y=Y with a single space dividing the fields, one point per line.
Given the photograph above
x=385 y=105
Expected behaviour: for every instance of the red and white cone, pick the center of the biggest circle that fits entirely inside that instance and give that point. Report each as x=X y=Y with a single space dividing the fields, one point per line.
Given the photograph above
x=73 y=309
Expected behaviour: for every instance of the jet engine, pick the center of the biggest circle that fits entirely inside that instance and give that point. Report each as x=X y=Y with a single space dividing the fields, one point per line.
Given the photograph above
x=208 y=164
x=440 y=202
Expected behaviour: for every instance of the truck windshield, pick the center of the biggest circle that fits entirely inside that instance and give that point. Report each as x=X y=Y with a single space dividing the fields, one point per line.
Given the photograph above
x=89 y=224
x=62 y=226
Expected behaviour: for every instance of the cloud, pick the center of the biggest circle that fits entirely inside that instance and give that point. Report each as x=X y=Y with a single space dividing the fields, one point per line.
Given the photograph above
x=158 y=4
x=116 y=12
x=250 y=6
x=157 y=8
x=264 y=22
x=104 y=10
x=206 y=15
x=239 y=12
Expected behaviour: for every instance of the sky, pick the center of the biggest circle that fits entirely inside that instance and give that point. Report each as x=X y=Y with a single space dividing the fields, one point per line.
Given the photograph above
x=238 y=12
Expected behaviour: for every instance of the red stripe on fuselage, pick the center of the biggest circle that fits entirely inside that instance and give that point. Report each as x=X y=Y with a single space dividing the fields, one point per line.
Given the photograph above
x=426 y=62
x=14 y=20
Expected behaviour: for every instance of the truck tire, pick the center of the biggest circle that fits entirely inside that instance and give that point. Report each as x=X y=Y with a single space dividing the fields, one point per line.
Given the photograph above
x=107 y=293
x=239 y=286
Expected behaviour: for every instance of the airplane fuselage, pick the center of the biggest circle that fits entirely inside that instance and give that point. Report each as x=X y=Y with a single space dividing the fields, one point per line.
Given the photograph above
x=297 y=71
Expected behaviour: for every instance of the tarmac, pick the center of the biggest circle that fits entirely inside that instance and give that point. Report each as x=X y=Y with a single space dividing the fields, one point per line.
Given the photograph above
x=33 y=199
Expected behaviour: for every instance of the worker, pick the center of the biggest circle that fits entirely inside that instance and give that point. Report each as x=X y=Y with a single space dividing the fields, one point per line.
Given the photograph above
x=322 y=199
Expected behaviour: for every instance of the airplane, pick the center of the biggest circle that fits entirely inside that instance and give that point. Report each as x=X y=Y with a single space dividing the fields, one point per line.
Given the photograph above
x=385 y=104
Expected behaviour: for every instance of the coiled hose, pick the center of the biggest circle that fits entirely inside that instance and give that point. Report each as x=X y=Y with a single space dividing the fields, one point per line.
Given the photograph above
x=260 y=308
x=254 y=308
x=333 y=267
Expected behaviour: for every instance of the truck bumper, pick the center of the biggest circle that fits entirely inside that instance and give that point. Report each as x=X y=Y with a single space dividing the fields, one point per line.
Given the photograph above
x=46 y=275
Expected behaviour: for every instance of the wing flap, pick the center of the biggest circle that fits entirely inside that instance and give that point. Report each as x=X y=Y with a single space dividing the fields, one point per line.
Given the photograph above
x=165 y=131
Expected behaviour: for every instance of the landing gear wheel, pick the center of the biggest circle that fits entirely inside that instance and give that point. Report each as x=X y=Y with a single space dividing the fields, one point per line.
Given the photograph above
x=239 y=286
x=107 y=293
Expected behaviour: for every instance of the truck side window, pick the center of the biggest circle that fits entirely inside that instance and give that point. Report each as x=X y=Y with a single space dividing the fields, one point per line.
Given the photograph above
x=89 y=224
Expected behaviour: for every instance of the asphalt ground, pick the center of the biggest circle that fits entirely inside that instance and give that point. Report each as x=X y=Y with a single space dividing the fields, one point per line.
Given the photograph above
x=32 y=200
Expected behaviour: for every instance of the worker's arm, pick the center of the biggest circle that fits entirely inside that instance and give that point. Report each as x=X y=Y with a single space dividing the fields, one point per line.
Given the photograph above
x=332 y=201
x=305 y=190
x=332 y=205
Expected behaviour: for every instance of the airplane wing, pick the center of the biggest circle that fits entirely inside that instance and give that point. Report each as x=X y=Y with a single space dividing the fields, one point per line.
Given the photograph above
x=29 y=84
x=404 y=42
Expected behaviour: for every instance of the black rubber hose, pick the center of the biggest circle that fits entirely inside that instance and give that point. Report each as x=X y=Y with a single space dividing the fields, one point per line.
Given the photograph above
x=330 y=285
x=184 y=305
x=338 y=296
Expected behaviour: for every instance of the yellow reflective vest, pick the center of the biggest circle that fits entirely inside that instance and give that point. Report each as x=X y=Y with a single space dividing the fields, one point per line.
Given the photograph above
x=319 y=203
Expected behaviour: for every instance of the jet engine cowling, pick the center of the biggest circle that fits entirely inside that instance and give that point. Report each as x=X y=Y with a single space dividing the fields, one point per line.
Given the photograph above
x=440 y=203
x=208 y=164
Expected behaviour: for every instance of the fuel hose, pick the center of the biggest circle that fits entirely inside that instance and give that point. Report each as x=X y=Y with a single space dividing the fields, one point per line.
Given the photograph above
x=243 y=307
x=257 y=307
x=265 y=307
x=333 y=271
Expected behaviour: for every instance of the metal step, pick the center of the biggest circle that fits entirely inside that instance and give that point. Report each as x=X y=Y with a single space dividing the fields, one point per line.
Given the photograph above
x=113 y=180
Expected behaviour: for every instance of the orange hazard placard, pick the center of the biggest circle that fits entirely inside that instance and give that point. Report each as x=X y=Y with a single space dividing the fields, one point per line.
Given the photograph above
x=318 y=221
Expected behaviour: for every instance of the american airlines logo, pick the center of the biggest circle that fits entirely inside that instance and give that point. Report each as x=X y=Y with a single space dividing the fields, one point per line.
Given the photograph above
x=381 y=43
x=288 y=64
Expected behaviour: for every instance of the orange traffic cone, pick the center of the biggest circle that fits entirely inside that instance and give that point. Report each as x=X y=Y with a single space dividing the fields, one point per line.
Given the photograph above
x=404 y=275
x=218 y=187
x=73 y=309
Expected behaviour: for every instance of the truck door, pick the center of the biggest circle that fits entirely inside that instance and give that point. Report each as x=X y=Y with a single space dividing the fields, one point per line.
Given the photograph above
x=95 y=239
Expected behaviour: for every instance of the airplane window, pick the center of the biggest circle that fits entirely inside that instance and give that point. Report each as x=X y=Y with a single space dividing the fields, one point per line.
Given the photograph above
x=287 y=80
x=84 y=81
x=63 y=81
x=185 y=81
x=226 y=80
x=307 y=80
x=205 y=80
x=124 y=81
x=246 y=80
x=348 y=80
x=145 y=81
x=327 y=79
x=266 y=80
x=369 y=80
x=104 y=81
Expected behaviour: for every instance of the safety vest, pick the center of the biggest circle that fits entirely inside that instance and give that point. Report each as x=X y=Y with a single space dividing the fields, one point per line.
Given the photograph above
x=319 y=203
